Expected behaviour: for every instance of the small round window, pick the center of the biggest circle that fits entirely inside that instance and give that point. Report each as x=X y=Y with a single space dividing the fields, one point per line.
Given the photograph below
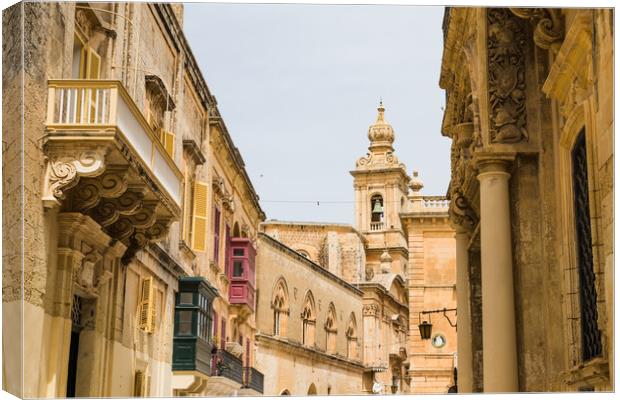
x=438 y=341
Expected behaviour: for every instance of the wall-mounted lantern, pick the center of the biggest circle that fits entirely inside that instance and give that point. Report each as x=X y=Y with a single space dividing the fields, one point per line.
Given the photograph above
x=426 y=328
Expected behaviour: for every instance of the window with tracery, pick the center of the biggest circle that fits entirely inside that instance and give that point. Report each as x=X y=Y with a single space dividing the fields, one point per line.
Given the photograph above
x=280 y=309
x=330 y=330
x=352 y=338
x=308 y=318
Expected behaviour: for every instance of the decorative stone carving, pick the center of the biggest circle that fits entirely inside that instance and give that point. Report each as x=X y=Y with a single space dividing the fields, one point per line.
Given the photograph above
x=369 y=273
x=461 y=212
x=570 y=80
x=63 y=172
x=109 y=210
x=370 y=309
x=506 y=66
x=91 y=276
x=548 y=31
x=112 y=183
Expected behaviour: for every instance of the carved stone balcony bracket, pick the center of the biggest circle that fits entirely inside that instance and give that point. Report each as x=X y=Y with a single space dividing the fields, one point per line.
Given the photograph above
x=461 y=213
x=115 y=196
x=548 y=30
x=63 y=172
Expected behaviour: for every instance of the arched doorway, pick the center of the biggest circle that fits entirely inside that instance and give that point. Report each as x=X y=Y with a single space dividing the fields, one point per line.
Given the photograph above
x=312 y=390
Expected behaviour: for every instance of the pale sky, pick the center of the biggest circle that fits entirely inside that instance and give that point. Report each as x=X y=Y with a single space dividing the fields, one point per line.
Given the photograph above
x=298 y=86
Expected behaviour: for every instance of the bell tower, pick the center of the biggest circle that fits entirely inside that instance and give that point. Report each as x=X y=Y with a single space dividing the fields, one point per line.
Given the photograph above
x=380 y=183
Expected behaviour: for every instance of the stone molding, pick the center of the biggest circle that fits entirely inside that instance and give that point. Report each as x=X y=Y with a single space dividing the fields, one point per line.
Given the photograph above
x=570 y=77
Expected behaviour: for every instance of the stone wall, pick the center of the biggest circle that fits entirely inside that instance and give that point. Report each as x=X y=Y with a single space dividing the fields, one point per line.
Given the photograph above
x=12 y=195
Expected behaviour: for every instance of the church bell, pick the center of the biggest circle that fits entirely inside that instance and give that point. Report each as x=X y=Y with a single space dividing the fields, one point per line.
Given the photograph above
x=378 y=208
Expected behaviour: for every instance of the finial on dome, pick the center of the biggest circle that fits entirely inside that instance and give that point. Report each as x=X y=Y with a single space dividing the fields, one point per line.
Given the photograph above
x=381 y=109
x=416 y=183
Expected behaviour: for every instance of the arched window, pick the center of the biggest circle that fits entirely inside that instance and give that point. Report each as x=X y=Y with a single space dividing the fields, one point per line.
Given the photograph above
x=308 y=319
x=312 y=389
x=285 y=392
x=352 y=338
x=376 y=207
x=280 y=307
x=330 y=329
x=304 y=253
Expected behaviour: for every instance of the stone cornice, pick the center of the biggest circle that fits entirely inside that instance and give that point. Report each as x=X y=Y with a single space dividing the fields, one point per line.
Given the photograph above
x=178 y=36
x=299 y=349
x=377 y=287
x=314 y=266
x=165 y=260
x=324 y=225
x=193 y=149
x=235 y=156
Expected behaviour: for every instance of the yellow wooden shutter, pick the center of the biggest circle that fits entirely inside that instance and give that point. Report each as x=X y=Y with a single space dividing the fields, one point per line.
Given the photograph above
x=199 y=217
x=93 y=66
x=138 y=384
x=168 y=142
x=146 y=306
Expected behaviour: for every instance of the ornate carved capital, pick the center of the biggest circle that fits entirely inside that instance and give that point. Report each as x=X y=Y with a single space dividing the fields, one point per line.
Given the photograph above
x=548 y=31
x=506 y=47
x=370 y=309
x=64 y=171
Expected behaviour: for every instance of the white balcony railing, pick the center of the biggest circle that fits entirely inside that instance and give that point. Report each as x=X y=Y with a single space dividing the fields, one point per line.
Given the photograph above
x=436 y=202
x=376 y=226
x=95 y=107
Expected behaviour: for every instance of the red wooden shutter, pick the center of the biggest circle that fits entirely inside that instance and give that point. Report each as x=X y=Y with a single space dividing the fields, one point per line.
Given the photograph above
x=223 y=338
x=216 y=237
x=228 y=255
x=214 y=326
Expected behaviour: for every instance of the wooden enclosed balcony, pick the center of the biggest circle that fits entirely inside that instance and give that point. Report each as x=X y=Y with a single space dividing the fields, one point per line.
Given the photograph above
x=105 y=161
x=241 y=273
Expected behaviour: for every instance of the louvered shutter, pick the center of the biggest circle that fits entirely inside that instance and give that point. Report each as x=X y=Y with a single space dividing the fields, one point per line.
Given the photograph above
x=223 y=338
x=93 y=66
x=146 y=306
x=138 y=384
x=199 y=217
x=168 y=142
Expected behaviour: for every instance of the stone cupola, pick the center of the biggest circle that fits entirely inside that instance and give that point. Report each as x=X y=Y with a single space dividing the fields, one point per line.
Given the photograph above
x=381 y=133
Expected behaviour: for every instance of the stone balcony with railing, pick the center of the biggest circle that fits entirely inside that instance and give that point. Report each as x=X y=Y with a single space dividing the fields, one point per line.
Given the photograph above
x=376 y=226
x=420 y=205
x=105 y=161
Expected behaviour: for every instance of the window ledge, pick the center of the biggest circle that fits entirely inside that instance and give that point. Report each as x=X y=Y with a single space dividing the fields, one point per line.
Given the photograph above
x=184 y=247
x=193 y=149
x=591 y=373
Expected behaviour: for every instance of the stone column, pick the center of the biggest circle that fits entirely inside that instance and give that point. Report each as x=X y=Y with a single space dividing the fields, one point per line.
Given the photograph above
x=463 y=332
x=498 y=306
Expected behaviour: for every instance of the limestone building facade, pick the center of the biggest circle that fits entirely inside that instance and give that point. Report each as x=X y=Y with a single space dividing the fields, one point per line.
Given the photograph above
x=530 y=115
x=399 y=257
x=134 y=259
x=130 y=226
x=308 y=338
